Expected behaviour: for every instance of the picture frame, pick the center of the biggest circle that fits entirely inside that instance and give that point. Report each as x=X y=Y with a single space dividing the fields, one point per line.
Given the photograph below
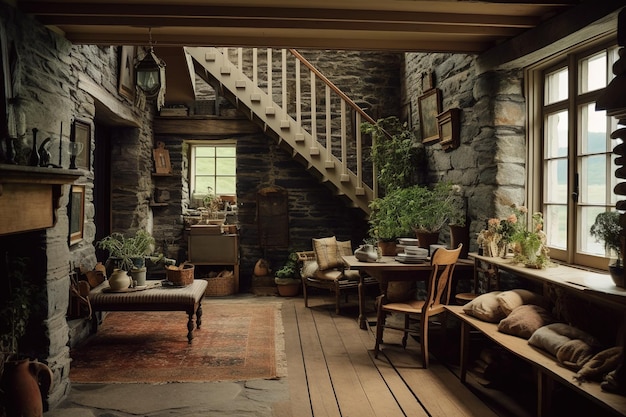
x=449 y=128
x=429 y=105
x=126 y=79
x=162 y=164
x=76 y=214
x=82 y=134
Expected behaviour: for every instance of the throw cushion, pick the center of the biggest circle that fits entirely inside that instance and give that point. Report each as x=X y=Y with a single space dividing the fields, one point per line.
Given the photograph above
x=601 y=364
x=510 y=300
x=344 y=247
x=326 y=253
x=309 y=268
x=548 y=339
x=574 y=354
x=554 y=335
x=525 y=320
x=485 y=307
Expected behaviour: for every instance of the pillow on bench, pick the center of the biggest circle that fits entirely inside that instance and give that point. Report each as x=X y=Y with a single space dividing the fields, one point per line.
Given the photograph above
x=485 y=307
x=525 y=320
x=510 y=300
x=571 y=346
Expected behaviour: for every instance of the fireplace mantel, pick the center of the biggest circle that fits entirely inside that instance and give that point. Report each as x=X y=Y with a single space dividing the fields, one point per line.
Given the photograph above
x=29 y=196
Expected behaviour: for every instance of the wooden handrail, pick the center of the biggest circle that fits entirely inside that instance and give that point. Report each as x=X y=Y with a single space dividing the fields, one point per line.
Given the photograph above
x=332 y=86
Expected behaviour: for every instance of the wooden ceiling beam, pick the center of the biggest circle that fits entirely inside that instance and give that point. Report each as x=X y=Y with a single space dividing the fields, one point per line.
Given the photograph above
x=192 y=15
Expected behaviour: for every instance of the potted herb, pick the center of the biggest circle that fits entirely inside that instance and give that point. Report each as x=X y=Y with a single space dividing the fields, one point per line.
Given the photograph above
x=287 y=278
x=394 y=152
x=606 y=229
x=128 y=252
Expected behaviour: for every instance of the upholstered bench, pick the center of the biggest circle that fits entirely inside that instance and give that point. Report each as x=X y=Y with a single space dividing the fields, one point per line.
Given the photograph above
x=154 y=298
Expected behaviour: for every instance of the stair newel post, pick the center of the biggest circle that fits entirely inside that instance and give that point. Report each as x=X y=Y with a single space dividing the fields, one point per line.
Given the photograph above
x=359 y=155
x=270 y=91
x=329 y=143
x=344 y=147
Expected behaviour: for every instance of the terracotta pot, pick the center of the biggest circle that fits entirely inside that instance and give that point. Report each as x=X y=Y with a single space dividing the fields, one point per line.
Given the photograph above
x=289 y=290
x=460 y=234
x=388 y=248
x=23 y=380
x=427 y=238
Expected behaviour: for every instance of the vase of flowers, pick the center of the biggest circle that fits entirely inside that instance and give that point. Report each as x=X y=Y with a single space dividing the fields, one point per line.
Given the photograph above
x=606 y=229
x=531 y=242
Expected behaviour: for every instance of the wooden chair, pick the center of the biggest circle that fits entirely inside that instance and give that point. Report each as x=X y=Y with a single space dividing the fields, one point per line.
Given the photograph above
x=492 y=276
x=437 y=295
x=336 y=280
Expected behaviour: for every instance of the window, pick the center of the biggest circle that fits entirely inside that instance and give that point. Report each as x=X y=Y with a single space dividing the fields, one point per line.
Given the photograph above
x=213 y=168
x=574 y=164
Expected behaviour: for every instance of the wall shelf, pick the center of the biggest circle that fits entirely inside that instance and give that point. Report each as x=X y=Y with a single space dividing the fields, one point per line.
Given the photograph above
x=29 y=196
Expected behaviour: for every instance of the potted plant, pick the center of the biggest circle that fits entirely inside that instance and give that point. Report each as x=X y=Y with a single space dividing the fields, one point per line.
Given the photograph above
x=384 y=222
x=128 y=253
x=426 y=210
x=287 y=278
x=394 y=152
x=606 y=228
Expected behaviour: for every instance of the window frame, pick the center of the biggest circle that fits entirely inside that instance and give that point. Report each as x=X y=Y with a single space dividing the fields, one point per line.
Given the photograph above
x=536 y=113
x=193 y=146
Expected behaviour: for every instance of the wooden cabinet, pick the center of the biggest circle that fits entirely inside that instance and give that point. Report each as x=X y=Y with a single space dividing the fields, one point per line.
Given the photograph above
x=208 y=248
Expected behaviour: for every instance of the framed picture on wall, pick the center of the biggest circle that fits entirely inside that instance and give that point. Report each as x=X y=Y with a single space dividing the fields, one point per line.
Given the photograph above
x=76 y=213
x=82 y=135
x=429 y=107
x=126 y=79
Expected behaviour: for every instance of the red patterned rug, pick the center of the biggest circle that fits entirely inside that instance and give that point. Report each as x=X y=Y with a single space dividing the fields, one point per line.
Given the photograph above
x=236 y=341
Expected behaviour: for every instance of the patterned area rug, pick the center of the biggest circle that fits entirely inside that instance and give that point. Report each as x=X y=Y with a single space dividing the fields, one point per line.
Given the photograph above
x=236 y=341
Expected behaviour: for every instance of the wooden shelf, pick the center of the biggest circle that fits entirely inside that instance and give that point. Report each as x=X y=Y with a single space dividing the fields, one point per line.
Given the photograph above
x=159 y=174
x=159 y=204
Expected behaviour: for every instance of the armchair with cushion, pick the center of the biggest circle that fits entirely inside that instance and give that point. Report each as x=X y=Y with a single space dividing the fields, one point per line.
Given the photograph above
x=323 y=268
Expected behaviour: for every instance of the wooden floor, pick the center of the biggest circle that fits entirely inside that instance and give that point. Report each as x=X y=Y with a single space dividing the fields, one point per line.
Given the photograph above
x=332 y=371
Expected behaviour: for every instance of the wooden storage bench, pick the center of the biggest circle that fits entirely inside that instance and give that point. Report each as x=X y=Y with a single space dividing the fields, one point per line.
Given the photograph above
x=155 y=298
x=547 y=367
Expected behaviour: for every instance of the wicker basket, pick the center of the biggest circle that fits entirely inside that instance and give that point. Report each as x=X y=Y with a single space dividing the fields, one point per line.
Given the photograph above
x=182 y=276
x=221 y=285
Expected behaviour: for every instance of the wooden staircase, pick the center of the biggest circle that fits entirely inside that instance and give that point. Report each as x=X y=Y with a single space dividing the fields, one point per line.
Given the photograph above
x=325 y=136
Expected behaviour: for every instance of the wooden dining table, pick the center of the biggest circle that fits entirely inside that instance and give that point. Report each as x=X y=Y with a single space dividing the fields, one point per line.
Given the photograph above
x=388 y=269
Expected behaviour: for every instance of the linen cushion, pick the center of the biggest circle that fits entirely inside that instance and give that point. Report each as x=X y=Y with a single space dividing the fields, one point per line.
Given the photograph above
x=525 y=320
x=510 y=300
x=554 y=335
x=344 y=247
x=574 y=354
x=309 y=268
x=485 y=307
x=326 y=253
x=601 y=364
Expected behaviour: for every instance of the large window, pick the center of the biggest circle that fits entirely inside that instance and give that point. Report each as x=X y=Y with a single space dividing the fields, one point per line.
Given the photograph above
x=574 y=161
x=213 y=169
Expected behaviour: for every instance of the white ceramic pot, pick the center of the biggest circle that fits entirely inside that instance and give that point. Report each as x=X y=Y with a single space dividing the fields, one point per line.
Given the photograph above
x=119 y=280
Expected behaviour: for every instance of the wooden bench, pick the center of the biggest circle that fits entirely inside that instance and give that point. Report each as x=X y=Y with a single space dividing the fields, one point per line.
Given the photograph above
x=154 y=298
x=547 y=367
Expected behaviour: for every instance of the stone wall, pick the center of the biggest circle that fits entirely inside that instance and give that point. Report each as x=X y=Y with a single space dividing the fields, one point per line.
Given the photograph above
x=489 y=163
x=45 y=74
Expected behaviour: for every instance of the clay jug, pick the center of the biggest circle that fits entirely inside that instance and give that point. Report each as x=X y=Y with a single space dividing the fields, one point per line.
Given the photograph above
x=27 y=383
x=119 y=280
x=366 y=253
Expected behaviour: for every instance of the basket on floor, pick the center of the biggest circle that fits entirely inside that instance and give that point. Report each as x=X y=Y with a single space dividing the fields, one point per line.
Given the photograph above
x=182 y=277
x=221 y=285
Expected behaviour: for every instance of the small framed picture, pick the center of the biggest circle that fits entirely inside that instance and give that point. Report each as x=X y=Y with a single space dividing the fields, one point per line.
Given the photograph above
x=449 y=128
x=76 y=212
x=82 y=135
x=126 y=79
x=429 y=107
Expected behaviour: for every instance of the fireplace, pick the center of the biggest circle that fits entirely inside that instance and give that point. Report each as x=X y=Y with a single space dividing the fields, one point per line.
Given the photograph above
x=34 y=233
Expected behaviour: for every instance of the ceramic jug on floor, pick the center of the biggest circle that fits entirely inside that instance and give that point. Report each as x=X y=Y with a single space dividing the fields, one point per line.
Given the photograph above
x=27 y=383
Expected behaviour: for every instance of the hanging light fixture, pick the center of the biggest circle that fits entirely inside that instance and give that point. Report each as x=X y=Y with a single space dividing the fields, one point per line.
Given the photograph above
x=150 y=72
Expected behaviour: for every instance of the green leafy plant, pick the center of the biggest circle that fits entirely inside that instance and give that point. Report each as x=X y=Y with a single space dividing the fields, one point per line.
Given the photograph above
x=127 y=249
x=606 y=228
x=289 y=273
x=394 y=152
x=418 y=208
x=16 y=304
